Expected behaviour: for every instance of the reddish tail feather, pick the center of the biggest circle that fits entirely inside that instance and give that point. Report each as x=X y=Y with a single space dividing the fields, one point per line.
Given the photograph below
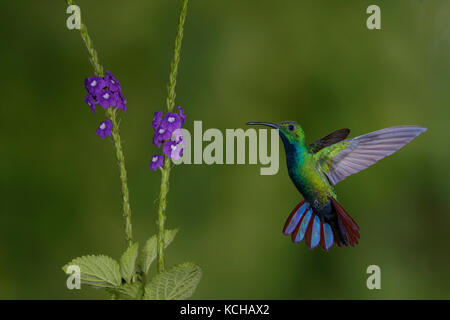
x=348 y=228
x=304 y=224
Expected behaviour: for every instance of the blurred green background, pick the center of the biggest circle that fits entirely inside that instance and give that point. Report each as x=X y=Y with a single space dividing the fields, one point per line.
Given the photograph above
x=310 y=61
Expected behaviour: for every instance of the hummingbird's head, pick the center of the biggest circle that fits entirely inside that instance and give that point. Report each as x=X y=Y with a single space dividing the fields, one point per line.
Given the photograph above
x=290 y=131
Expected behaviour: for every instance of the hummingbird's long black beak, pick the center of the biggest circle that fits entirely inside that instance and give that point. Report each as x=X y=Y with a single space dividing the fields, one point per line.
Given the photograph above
x=269 y=124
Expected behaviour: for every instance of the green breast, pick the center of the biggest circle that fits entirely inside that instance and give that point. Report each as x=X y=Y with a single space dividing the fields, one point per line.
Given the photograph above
x=308 y=179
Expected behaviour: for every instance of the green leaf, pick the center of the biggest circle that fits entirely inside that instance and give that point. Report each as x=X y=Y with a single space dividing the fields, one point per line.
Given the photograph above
x=128 y=291
x=176 y=283
x=98 y=271
x=148 y=254
x=128 y=262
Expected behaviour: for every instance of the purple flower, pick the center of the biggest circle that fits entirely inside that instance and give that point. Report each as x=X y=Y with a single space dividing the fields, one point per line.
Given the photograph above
x=157 y=117
x=177 y=136
x=171 y=122
x=94 y=85
x=173 y=150
x=111 y=82
x=91 y=102
x=168 y=133
x=107 y=98
x=121 y=103
x=105 y=92
x=182 y=115
x=160 y=136
x=104 y=129
x=157 y=162
x=169 y=147
x=157 y=140
x=164 y=127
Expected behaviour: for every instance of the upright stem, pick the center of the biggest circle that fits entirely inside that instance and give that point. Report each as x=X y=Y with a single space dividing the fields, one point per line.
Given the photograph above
x=112 y=115
x=123 y=175
x=176 y=59
x=170 y=101
x=93 y=56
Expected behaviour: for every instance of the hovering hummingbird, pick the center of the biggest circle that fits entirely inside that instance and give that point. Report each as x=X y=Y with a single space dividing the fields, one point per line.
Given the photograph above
x=316 y=168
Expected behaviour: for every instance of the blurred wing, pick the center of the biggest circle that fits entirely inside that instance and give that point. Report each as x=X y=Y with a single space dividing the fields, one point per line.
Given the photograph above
x=329 y=140
x=353 y=155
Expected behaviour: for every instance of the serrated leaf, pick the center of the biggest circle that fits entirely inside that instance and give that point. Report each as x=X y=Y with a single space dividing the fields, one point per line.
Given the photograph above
x=128 y=262
x=148 y=254
x=176 y=283
x=98 y=271
x=128 y=291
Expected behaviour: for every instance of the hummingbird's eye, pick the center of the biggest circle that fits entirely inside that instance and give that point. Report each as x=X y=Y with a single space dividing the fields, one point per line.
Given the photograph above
x=291 y=127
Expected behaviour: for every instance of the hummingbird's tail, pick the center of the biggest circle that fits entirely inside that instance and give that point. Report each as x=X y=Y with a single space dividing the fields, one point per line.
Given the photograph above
x=303 y=223
x=345 y=229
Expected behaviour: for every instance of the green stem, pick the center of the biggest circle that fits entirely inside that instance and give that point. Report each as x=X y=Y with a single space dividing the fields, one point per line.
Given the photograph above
x=170 y=101
x=112 y=115
x=93 y=56
x=176 y=59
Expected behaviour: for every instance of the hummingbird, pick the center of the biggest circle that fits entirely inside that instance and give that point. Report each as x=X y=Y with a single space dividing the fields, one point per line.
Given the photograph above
x=317 y=167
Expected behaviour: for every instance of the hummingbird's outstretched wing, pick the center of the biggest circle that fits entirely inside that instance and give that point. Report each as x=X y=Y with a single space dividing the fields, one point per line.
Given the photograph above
x=329 y=140
x=353 y=155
